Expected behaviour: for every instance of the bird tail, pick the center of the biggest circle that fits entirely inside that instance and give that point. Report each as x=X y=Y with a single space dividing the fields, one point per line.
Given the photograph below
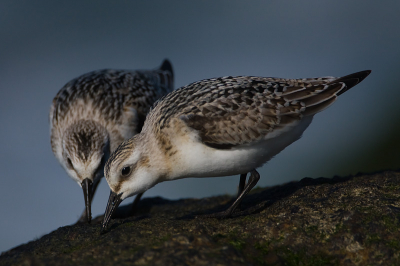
x=167 y=75
x=331 y=90
x=352 y=80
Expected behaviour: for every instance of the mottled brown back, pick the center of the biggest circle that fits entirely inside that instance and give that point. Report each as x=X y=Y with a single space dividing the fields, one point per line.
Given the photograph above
x=232 y=111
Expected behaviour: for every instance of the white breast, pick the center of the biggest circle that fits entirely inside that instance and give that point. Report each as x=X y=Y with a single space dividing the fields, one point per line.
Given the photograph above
x=194 y=159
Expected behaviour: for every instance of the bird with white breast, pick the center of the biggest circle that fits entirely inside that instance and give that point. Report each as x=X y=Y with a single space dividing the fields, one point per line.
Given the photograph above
x=92 y=114
x=219 y=127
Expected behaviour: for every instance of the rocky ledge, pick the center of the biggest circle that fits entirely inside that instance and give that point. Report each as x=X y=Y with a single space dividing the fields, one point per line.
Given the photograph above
x=340 y=221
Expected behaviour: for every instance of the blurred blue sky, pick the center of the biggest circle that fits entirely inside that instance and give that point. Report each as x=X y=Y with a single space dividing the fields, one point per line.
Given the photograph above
x=44 y=44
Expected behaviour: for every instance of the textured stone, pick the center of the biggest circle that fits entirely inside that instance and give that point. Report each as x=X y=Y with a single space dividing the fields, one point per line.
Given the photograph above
x=339 y=221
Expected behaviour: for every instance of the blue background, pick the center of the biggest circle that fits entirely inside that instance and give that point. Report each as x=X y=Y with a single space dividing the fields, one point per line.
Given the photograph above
x=44 y=44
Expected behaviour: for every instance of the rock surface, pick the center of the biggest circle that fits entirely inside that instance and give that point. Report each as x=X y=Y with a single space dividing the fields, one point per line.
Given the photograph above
x=339 y=221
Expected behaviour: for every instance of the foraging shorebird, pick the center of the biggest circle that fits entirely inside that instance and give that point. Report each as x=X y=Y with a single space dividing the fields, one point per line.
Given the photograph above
x=219 y=127
x=92 y=114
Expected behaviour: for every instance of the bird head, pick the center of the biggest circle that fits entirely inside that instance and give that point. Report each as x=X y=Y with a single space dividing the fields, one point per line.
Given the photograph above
x=128 y=172
x=85 y=150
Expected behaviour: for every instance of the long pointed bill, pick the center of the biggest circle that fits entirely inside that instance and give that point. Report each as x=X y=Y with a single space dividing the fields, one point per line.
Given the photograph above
x=87 y=186
x=113 y=202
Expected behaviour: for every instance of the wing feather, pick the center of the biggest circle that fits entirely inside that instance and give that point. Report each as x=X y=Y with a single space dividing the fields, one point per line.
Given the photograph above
x=232 y=111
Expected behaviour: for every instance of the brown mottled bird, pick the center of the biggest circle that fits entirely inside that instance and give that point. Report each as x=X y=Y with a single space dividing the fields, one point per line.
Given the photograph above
x=92 y=114
x=219 y=127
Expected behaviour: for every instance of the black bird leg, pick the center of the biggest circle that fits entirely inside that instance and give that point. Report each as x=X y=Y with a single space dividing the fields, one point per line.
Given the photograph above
x=253 y=179
x=135 y=203
x=242 y=184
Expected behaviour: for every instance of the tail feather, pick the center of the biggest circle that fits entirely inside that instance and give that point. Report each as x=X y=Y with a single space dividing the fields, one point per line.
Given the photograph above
x=167 y=78
x=318 y=94
x=167 y=66
x=352 y=79
x=319 y=107
x=318 y=102
x=325 y=95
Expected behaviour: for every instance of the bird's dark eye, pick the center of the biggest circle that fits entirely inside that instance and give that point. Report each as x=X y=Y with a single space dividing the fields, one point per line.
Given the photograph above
x=69 y=163
x=126 y=171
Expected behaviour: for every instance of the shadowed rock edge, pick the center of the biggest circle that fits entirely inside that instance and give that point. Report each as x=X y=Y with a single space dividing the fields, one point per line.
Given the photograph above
x=338 y=221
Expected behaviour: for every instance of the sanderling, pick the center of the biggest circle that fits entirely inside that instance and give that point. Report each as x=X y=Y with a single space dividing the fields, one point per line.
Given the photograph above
x=219 y=127
x=92 y=114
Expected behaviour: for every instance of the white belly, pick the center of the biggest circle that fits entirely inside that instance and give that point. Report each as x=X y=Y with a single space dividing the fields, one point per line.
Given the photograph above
x=198 y=160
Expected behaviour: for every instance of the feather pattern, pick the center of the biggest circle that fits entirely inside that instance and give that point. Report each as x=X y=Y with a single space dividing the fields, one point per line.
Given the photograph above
x=232 y=111
x=118 y=100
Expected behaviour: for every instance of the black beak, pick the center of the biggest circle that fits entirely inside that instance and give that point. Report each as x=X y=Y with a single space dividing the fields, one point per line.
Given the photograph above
x=87 y=186
x=113 y=202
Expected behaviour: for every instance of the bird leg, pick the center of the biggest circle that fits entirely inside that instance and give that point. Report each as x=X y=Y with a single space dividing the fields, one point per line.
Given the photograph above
x=242 y=184
x=253 y=179
x=135 y=203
